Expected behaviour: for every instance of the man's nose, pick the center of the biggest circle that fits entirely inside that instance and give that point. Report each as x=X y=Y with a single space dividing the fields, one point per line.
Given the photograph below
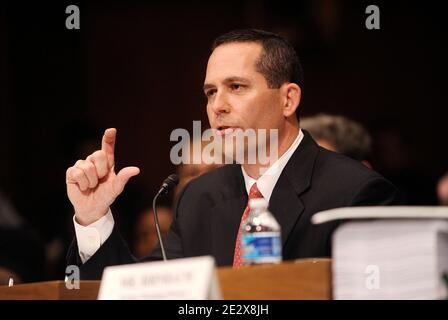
x=220 y=103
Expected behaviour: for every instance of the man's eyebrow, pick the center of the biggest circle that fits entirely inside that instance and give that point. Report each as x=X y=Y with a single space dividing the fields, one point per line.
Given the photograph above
x=226 y=81
x=207 y=86
x=236 y=79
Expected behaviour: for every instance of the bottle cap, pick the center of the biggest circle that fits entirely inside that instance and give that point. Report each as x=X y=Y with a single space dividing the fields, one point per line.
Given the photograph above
x=258 y=203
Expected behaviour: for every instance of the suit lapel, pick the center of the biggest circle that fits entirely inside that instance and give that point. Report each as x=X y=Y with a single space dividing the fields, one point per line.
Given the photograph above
x=285 y=202
x=226 y=216
x=286 y=206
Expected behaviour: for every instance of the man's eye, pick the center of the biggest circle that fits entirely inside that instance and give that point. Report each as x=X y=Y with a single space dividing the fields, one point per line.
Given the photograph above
x=210 y=93
x=236 y=86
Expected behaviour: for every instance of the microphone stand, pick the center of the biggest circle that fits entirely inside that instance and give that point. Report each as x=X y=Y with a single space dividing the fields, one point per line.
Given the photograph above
x=156 y=221
x=167 y=185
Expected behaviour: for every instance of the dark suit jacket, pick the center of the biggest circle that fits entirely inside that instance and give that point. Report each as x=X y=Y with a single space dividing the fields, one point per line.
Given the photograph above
x=208 y=213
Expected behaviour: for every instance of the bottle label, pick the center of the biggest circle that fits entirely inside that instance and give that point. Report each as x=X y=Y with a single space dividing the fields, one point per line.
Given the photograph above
x=261 y=247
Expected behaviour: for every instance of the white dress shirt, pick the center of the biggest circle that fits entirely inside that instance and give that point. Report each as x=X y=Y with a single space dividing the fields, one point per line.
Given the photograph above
x=90 y=238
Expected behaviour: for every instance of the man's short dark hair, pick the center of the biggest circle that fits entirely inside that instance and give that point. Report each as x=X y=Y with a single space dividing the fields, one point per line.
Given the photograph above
x=278 y=61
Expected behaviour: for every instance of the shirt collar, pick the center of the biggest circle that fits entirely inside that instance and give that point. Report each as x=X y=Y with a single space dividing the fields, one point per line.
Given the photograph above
x=267 y=181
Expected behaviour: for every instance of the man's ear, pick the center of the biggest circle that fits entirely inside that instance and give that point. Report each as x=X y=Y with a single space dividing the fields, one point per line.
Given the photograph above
x=292 y=94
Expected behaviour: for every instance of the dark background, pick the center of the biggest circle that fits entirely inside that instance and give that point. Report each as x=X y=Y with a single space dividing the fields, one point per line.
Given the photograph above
x=139 y=67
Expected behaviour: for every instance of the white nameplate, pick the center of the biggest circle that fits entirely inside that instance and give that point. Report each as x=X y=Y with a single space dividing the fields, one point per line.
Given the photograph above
x=179 y=279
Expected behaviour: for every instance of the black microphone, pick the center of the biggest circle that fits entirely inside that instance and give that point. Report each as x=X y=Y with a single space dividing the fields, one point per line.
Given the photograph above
x=167 y=185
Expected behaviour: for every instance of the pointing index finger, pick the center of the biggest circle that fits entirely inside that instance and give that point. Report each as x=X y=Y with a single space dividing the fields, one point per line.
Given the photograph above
x=108 y=145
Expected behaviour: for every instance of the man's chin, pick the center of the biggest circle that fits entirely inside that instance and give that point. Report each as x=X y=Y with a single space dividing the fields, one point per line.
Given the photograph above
x=233 y=155
x=240 y=154
x=245 y=148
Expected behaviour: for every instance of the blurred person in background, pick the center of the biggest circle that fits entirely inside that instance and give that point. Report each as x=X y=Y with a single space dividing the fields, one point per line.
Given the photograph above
x=22 y=255
x=442 y=190
x=145 y=235
x=188 y=170
x=340 y=134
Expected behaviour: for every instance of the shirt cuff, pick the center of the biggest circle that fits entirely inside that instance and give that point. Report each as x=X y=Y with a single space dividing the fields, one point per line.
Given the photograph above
x=90 y=238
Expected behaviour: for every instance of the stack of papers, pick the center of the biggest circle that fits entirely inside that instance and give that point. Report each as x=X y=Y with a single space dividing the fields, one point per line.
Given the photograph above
x=389 y=252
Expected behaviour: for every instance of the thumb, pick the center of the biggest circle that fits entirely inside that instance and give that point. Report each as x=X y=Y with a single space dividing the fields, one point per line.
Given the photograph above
x=123 y=177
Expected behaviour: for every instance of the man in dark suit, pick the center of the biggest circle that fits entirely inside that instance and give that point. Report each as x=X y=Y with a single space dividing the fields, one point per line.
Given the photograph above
x=253 y=81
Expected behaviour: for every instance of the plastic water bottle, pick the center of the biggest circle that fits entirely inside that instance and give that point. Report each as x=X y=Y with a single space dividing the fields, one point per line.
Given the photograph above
x=261 y=235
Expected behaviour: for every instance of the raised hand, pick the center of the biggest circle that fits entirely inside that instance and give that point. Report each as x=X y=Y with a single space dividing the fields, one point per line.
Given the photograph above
x=92 y=184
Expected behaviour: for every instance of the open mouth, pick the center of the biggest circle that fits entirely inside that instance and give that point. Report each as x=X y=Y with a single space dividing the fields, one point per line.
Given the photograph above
x=225 y=130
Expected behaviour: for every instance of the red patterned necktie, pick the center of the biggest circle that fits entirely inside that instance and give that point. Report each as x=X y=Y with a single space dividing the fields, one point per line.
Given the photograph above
x=253 y=194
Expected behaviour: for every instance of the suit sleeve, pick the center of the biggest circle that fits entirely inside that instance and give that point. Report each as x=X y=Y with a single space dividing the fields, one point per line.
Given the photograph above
x=376 y=191
x=115 y=251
